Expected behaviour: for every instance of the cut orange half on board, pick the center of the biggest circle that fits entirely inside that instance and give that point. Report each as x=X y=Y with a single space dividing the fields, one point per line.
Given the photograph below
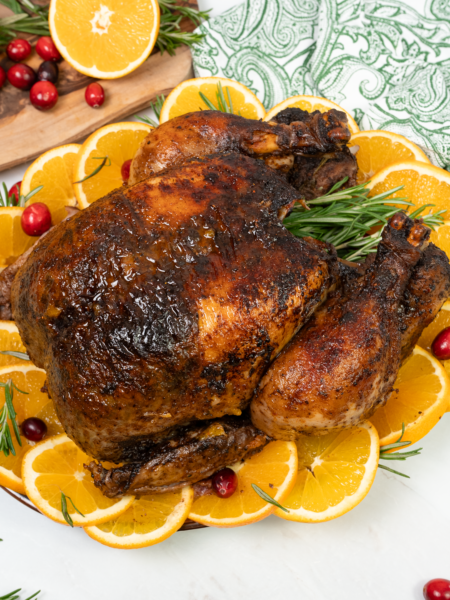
x=185 y=98
x=420 y=398
x=112 y=145
x=34 y=403
x=335 y=472
x=423 y=184
x=13 y=241
x=104 y=38
x=379 y=149
x=273 y=470
x=56 y=465
x=310 y=104
x=149 y=521
x=54 y=171
x=10 y=341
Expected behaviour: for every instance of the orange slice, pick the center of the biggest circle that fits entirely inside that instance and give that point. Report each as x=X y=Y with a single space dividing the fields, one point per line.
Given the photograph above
x=13 y=241
x=56 y=465
x=104 y=38
x=420 y=398
x=335 y=472
x=185 y=98
x=379 y=149
x=54 y=171
x=423 y=184
x=118 y=142
x=274 y=470
x=149 y=521
x=310 y=104
x=10 y=340
x=34 y=403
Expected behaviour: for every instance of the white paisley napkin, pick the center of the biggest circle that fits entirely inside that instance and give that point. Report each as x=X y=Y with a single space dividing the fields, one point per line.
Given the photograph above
x=385 y=61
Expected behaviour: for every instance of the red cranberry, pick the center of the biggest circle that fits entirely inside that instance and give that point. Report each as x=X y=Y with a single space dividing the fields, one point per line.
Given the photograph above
x=437 y=589
x=18 y=49
x=2 y=77
x=125 y=170
x=441 y=345
x=46 y=48
x=36 y=219
x=225 y=482
x=43 y=95
x=95 y=95
x=34 y=429
x=15 y=191
x=21 y=76
x=48 y=71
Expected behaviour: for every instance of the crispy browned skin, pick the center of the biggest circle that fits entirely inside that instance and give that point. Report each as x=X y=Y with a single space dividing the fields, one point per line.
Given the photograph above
x=341 y=366
x=208 y=132
x=190 y=455
x=164 y=303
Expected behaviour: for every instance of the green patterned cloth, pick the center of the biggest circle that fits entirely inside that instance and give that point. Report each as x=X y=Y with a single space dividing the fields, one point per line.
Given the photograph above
x=385 y=61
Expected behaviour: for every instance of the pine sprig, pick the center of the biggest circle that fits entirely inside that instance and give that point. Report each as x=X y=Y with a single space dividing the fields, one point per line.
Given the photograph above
x=224 y=105
x=27 y=18
x=345 y=217
x=8 y=412
x=385 y=453
x=170 y=35
x=7 y=200
x=157 y=108
x=15 y=595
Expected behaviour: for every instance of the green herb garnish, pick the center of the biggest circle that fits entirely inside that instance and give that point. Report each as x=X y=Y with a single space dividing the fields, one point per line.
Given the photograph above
x=344 y=218
x=262 y=494
x=27 y=18
x=170 y=35
x=385 y=455
x=21 y=355
x=225 y=105
x=14 y=595
x=157 y=107
x=8 y=412
x=104 y=159
x=6 y=200
x=64 y=510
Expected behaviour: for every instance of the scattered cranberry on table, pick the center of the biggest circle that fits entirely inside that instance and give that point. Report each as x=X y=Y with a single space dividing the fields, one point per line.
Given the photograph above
x=34 y=429
x=48 y=71
x=225 y=482
x=95 y=95
x=46 y=48
x=43 y=95
x=21 y=76
x=125 y=170
x=2 y=77
x=18 y=49
x=437 y=589
x=36 y=219
x=441 y=345
x=15 y=190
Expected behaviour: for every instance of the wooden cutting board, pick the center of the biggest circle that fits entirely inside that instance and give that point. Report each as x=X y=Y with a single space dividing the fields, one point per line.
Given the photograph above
x=25 y=132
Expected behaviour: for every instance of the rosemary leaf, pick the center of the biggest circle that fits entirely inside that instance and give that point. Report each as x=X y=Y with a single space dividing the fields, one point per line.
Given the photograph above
x=157 y=107
x=262 y=494
x=224 y=105
x=65 y=512
x=104 y=160
x=21 y=355
x=14 y=595
x=8 y=412
x=170 y=35
x=22 y=21
x=385 y=453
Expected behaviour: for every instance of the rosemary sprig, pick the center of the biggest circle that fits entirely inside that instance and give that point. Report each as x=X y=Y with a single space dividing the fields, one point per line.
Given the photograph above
x=385 y=453
x=21 y=355
x=8 y=412
x=6 y=200
x=104 y=159
x=64 y=510
x=15 y=595
x=223 y=104
x=27 y=18
x=262 y=494
x=344 y=218
x=157 y=107
x=170 y=35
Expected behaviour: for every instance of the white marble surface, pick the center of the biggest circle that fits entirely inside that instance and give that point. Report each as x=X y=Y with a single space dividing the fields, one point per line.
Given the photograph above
x=385 y=549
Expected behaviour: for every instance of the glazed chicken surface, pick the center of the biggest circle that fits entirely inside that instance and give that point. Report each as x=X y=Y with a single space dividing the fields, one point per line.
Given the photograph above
x=182 y=327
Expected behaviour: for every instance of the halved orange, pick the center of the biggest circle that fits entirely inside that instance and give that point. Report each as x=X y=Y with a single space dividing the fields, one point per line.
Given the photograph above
x=10 y=340
x=274 y=470
x=335 y=472
x=423 y=184
x=379 y=149
x=149 y=521
x=34 y=403
x=56 y=465
x=118 y=143
x=420 y=398
x=185 y=98
x=54 y=171
x=310 y=104
x=13 y=241
x=104 y=38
